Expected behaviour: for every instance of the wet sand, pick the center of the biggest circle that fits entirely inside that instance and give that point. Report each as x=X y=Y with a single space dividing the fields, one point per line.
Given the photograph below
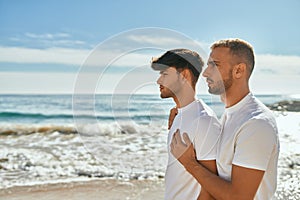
x=90 y=190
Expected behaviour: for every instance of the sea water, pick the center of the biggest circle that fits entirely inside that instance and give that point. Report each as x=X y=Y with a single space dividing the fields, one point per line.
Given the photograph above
x=56 y=138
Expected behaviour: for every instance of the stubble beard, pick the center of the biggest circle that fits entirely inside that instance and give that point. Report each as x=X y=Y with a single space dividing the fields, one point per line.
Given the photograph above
x=221 y=86
x=165 y=95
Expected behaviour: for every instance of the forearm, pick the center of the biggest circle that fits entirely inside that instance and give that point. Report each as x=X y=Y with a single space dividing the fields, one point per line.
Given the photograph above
x=243 y=184
x=212 y=167
x=204 y=195
x=213 y=184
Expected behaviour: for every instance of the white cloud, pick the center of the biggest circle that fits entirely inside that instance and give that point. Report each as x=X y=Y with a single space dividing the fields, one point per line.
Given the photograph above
x=98 y=58
x=126 y=49
x=51 y=55
x=47 y=35
x=278 y=64
x=48 y=40
x=275 y=84
x=69 y=42
x=133 y=82
x=162 y=41
x=18 y=82
x=265 y=63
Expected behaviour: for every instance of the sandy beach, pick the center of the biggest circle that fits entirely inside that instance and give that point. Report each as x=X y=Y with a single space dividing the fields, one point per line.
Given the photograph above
x=90 y=190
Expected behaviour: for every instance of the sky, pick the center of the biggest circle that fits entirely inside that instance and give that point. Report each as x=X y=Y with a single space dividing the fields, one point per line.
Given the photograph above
x=48 y=46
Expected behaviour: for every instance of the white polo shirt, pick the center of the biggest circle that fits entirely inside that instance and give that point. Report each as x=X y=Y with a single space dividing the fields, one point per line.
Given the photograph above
x=249 y=138
x=203 y=128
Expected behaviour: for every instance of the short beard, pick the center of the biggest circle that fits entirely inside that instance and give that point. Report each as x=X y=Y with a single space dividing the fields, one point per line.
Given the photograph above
x=166 y=95
x=221 y=87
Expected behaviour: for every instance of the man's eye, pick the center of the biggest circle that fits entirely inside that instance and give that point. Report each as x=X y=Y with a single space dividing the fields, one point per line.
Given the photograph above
x=213 y=64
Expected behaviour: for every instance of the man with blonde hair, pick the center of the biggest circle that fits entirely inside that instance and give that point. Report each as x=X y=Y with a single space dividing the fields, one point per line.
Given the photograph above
x=248 y=149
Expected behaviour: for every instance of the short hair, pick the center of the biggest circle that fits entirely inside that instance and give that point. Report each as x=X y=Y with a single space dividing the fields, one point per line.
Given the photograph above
x=239 y=48
x=180 y=59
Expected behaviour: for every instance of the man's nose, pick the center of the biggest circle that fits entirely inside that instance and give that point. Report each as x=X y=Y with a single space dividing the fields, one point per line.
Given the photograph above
x=159 y=81
x=205 y=72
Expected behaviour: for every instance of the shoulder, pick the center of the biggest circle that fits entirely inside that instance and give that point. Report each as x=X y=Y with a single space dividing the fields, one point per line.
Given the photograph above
x=204 y=109
x=261 y=124
x=262 y=118
x=206 y=119
x=207 y=124
x=255 y=112
x=261 y=129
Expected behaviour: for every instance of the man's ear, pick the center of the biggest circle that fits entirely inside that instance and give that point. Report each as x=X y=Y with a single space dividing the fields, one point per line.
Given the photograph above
x=186 y=75
x=239 y=70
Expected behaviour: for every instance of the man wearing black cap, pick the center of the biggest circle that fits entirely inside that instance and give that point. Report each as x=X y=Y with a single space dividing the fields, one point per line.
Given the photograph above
x=179 y=73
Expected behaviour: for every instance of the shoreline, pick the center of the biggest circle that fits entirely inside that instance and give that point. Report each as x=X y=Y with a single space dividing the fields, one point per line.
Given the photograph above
x=94 y=189
x=109 y=187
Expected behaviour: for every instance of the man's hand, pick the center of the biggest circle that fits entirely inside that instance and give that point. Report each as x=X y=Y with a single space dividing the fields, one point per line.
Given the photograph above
x=172 y=115
x=183 y=151
x=244 y=181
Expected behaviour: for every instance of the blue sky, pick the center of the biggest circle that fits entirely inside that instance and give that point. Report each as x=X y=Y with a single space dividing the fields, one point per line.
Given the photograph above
x=43 y=44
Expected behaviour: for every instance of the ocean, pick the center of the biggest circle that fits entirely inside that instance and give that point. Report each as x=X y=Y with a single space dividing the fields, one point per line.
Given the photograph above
x=65 y=138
